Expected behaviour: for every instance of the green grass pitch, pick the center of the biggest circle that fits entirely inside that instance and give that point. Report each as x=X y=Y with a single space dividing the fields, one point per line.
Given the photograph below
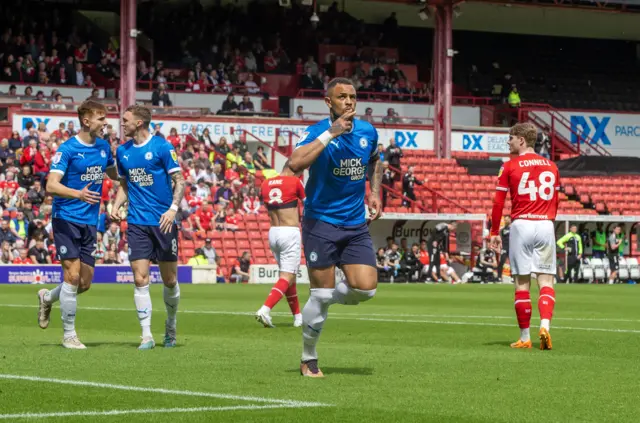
x=415 y=353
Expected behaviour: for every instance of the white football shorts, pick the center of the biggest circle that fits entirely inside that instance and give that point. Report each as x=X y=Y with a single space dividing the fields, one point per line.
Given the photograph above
x=532 y=247
x=285 y=243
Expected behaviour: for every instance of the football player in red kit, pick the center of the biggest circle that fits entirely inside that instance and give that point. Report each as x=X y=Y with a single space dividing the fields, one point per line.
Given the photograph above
x=533 y=183
x=280 y=195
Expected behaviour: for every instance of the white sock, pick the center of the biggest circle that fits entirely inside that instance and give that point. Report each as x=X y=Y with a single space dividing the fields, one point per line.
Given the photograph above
x=362 y=295
x=544 y=323
x=341 y=294
x=611 y=281
x=53 y=295
x=524 y=335
x=142 y=299
x=314 y=314
x=171 y=301
x=264 y=309
x=68 y=306
x=297 y=316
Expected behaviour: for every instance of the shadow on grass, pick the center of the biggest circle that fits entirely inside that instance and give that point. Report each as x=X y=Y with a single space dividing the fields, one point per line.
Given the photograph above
x=357 y=371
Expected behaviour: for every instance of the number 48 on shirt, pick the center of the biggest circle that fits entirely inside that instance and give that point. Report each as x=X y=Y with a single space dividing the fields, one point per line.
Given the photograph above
x=542 y=188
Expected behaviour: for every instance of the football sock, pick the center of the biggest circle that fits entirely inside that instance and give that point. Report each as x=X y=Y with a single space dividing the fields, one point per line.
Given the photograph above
x=523 y=313
x=53 y=295
x=142 y=300
x=342 y=294
x=171 y=301
x=68 y=306
x=314 y=314
x=362 y=295
x=276 y=293
x=546 y=302
x=292 y=298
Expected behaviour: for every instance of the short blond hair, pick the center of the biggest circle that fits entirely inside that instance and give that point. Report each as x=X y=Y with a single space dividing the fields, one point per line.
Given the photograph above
x=526 y=130
x=142 y=113
x=90 y=107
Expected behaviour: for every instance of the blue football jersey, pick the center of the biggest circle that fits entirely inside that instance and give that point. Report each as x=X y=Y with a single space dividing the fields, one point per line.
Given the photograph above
x=80 y=164
x=147 y=168
x=336 y=185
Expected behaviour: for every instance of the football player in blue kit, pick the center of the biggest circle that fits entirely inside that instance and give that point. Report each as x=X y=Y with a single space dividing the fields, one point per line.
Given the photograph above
x=75 y=182
x=148 y=165
x=339 y=152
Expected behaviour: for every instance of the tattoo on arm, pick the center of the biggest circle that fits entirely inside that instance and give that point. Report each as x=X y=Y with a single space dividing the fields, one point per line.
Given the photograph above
x=178 y=187
x=375 y=179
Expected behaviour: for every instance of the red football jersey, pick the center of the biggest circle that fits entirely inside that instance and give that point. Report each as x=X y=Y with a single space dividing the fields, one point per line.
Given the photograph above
x=533 y=182
x=282 y=192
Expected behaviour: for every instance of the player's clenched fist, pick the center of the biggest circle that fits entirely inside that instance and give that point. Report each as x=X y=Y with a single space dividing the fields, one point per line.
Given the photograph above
x=343 y=124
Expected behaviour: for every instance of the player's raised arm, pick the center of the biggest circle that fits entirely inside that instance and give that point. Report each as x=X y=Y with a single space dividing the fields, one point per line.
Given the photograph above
x=306 y=154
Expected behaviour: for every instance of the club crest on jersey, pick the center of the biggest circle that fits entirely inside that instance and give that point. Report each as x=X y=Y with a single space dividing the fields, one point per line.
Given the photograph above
x=148 y=155
x=103 y=154
x=174 y=156
x=56 y=158
x=363 y=142
x=501 y=170
x=63 y=250
x=313 y=256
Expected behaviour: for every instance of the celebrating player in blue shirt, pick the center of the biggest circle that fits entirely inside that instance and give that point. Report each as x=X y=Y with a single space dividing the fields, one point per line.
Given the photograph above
x=75 y=180
x=339 y=153
x=147 y=165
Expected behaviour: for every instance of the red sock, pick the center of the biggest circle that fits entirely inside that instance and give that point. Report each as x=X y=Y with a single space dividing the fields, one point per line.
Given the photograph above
x=292 y=299
x=546 y=302
x=276 y=293
x=523 y=309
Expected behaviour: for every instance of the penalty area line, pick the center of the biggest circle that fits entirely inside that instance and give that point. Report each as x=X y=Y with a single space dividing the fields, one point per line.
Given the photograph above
x=285 y=403
x=141 y=411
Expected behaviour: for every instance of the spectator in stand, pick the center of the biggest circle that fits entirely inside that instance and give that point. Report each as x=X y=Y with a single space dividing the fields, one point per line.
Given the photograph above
x=240 y=269
x=246 y=105
x=43 y=133
x=174 y=139
x=381 y=152
x=160 y=97
x=235 y=155
x=111 y=258
x=205 y=139
x=270 y=63
x=514 y=97
x=157 y=131
x=6 y=253
x=209 y=252
x=368 y=115
x=112 y=235
x=260 y=160
x=396 y=73
x=37 y=229
x=382 y=264
x=123 y=256
x=41 y=164
x=71 y=129
x=251 y=203
x=248 y=163
x=394 y=153
x=202 y=190
x=299 y=113
x=78 y=76
x=220 y=217
x=308 y=82
x=222 y=148
x=15 y=142
x=252 y=87
x=411 y=262
x=393 y=259
x=203 y=217
x=231 y=221
x=223 y=195
x=391 y=118
x=6 y=234
x=233 y=175
x=198 y=258
x=23 y=258
x=387 y=181
x=20 y=225
x=229 y=105
x=543 y=143
x=409 y=181
x=38 y=254
x=104 y=68
x=250 y=63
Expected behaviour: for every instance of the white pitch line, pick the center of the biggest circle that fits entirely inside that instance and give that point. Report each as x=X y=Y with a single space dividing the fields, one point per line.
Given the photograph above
x=288 y=403
x=351 y=316
x=354 y=315
x=138 y=411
